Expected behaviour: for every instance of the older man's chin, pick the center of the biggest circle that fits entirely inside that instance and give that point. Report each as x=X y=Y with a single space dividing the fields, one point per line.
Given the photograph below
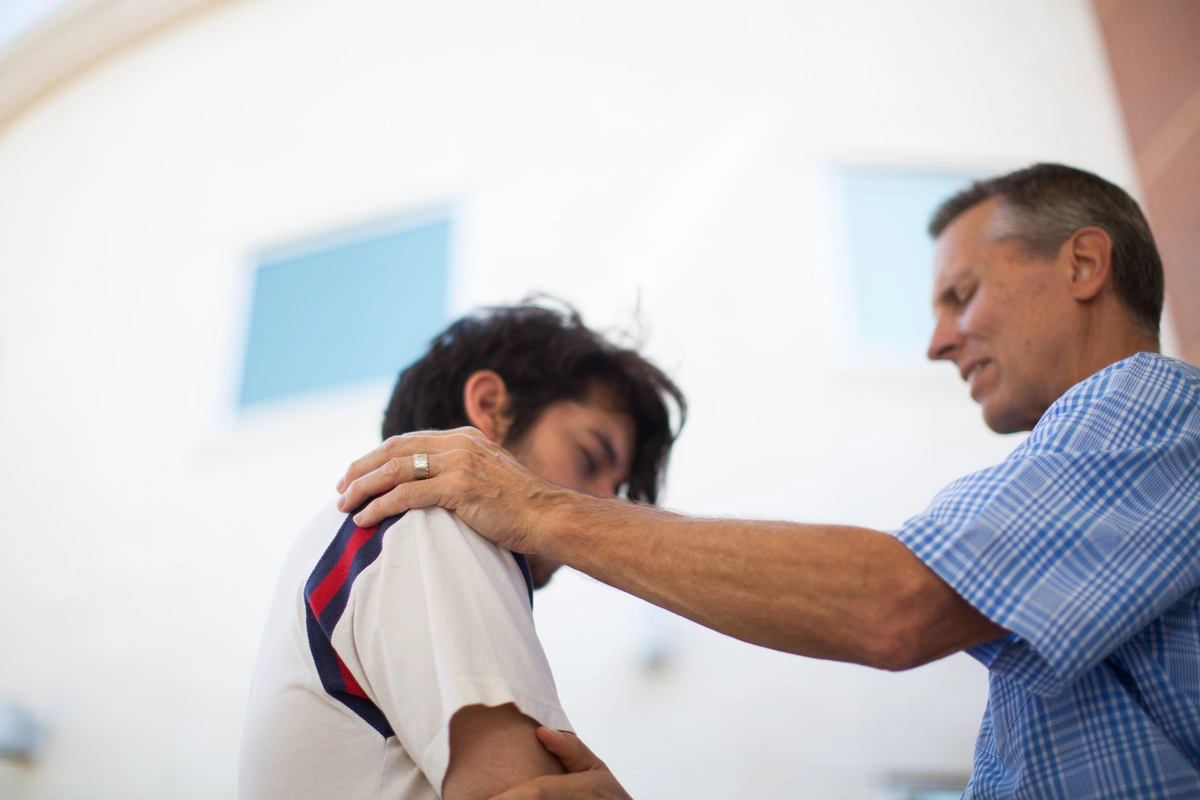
x=1008 y=417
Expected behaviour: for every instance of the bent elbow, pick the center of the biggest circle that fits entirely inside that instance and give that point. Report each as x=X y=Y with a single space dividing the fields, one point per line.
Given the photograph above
x=897 y=651
x=901 y=633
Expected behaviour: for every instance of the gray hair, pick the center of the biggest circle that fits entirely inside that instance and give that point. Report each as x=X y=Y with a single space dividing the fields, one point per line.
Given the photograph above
x=1043 y=205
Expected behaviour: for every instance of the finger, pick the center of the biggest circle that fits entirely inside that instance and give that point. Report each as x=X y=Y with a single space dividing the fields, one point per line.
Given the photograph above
x=570 y=749
x=405 y=445
x=551 y=787
x=418 y=494
x=372 y=461
x=386 y=477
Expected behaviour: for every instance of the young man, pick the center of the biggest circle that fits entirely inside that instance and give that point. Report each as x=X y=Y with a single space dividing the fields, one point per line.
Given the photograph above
x=400 y=660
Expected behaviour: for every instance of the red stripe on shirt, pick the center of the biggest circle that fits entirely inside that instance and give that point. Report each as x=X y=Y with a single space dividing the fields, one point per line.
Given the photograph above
x=332 y=584
x=352 y=686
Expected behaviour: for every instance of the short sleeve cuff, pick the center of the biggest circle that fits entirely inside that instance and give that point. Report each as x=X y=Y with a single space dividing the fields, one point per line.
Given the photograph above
x=459 y=693
x=967 y=566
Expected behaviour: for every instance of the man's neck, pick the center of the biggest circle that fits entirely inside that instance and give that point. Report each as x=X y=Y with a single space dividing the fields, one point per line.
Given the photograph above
x=1111 y=337
x=1106 y=341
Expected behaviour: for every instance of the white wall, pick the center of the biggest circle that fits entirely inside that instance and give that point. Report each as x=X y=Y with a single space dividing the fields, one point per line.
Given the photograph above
x=676 y=154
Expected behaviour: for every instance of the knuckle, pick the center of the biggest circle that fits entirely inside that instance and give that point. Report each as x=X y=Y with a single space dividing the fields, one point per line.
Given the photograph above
x=469 y=436
x=392 y=467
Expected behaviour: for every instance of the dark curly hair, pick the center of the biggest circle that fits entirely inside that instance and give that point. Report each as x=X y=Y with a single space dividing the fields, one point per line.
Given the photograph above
x=544 y=355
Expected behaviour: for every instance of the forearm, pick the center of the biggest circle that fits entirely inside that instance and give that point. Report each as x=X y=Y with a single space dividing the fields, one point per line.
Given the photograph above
x=825 y=591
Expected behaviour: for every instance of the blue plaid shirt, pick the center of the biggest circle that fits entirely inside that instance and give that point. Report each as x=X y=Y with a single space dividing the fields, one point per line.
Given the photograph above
x=1085 y=543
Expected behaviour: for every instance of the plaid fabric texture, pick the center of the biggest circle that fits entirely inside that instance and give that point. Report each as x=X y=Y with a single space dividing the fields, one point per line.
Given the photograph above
x=1085 y=543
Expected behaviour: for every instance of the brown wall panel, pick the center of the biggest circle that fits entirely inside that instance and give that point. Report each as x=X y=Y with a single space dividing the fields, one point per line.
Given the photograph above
x=1154 y=50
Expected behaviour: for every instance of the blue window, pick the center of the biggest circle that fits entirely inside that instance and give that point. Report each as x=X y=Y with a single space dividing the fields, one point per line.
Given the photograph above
x=17 y=17
x=891 y=255
x=345 y=313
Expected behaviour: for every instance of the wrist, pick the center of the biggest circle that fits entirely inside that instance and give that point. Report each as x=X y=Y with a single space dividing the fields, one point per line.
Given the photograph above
x=561 y=520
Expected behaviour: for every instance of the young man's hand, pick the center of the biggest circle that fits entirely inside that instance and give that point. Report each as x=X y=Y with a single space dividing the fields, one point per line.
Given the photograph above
x=588 y=778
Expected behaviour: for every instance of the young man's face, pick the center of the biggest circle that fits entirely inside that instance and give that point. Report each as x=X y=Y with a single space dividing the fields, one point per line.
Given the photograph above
x=584 y=446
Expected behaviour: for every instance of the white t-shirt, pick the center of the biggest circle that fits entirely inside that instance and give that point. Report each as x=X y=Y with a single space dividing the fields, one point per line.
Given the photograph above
x=375 y=638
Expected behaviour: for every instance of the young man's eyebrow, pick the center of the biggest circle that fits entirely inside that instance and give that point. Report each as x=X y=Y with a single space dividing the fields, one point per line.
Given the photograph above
x=607 y=444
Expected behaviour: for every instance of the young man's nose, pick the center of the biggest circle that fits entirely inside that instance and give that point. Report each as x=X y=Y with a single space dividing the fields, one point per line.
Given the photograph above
x=603 y=489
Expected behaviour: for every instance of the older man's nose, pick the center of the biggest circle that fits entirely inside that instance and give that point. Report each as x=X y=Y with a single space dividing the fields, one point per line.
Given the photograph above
x=945 y=338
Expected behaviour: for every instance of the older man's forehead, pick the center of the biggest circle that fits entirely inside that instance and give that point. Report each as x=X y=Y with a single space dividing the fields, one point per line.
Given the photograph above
x=950 y=261
x=956 y=251
x=981 y=223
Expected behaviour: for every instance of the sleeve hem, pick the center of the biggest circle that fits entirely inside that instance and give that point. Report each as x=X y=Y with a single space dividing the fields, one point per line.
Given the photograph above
x=480 y=691
x=944 y=554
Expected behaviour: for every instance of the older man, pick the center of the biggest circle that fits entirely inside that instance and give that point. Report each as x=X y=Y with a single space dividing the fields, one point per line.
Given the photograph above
x=1071 y=570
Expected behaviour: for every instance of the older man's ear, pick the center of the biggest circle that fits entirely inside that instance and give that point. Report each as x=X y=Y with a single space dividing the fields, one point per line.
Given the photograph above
x=1089 y=256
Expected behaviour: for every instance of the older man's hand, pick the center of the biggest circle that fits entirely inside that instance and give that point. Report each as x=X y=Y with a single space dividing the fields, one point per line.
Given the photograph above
x=587 y=777
x=468 y=474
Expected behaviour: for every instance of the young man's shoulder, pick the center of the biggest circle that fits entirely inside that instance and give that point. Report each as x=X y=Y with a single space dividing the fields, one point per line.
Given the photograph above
x=428 y=539
x=329 y=523
x=388 y=631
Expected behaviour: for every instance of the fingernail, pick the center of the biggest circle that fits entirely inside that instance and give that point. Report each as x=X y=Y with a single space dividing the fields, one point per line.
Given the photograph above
x=341 y=503
x=555 y=734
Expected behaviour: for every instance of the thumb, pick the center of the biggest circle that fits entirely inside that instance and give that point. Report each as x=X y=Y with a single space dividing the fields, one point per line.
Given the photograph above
x=570 y=749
